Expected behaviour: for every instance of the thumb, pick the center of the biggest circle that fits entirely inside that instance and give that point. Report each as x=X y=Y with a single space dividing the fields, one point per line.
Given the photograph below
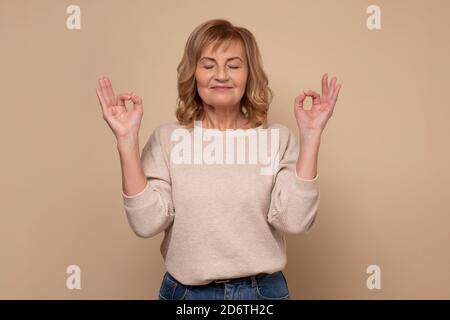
x=137 y=102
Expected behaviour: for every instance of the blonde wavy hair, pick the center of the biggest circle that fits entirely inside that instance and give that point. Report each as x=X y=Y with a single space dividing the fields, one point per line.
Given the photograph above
x=257 y=97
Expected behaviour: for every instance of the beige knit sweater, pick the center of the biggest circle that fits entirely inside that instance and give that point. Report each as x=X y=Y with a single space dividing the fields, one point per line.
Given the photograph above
x=222 y=218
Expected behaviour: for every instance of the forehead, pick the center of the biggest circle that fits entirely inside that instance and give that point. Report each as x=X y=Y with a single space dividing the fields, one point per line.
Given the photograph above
x=224 y=49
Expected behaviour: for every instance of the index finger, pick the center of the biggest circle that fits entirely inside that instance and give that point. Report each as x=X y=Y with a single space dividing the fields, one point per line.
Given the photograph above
x=299 y=100
x=122 y=98
x=314 y=95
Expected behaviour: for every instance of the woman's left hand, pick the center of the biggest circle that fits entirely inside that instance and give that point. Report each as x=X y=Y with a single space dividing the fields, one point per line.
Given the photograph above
x=312 y=122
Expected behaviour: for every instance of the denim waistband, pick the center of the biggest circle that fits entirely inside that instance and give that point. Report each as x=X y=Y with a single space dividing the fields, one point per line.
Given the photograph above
x=235 y=280
x=218 y=282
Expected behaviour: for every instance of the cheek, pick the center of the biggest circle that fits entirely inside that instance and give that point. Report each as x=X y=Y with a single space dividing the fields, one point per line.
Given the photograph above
x=241 y=80
x=241 y=77
x=202 y=83
x=202 y=79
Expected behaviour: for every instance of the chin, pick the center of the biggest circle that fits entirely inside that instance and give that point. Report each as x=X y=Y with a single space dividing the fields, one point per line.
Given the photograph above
x=222 y=103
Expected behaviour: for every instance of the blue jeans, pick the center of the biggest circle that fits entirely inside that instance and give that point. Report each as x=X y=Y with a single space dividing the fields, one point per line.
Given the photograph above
x=262 y=286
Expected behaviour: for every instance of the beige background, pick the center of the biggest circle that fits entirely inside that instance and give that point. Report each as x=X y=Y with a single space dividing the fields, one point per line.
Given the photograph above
x=384 y=158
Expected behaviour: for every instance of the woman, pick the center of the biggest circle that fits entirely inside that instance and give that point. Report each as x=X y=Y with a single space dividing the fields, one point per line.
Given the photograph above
x=223 y=219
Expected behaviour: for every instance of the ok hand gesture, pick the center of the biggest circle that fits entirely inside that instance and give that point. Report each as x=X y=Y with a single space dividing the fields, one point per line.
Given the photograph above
x=124 y=123
x=313 y=121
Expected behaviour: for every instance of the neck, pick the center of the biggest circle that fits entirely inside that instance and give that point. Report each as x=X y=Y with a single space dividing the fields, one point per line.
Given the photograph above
x=222 y=119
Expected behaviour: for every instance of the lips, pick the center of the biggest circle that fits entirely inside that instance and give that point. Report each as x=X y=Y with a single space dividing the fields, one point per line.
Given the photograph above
x=220 y=87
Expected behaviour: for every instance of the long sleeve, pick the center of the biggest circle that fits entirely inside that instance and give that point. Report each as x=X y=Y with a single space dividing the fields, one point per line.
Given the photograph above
x=151 y=211
x=294 y=201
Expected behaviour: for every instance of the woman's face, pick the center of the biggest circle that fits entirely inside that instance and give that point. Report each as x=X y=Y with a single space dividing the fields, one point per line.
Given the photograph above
x=227 y=68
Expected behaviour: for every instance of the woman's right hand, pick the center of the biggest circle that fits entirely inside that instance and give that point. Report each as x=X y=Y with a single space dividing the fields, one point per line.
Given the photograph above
x=124 y=123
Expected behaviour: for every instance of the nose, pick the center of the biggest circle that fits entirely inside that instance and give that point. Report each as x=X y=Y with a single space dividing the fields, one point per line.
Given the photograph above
x=221 y=74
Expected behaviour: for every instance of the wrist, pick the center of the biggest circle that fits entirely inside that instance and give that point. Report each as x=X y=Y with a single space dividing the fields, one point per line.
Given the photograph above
x=127 y=144
x=310 y=139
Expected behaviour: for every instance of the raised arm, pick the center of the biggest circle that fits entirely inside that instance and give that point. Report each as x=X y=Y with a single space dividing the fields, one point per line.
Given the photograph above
x=145 y=179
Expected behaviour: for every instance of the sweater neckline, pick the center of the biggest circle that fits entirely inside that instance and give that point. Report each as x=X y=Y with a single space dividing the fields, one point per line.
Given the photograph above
x=226 y=130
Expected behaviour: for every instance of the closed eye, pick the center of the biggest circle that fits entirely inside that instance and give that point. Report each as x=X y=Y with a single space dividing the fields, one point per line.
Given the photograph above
x=210 y=67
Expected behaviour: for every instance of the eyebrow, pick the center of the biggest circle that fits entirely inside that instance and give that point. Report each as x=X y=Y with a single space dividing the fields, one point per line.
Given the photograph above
x=209 y=58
